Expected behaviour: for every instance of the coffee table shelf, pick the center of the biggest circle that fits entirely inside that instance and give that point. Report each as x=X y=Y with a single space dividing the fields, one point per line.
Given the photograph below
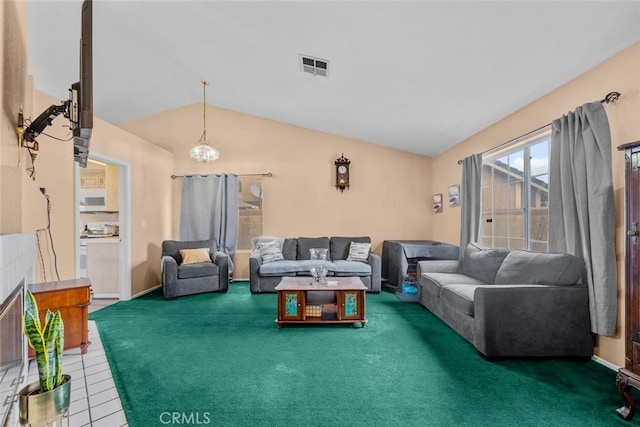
x=302 y=301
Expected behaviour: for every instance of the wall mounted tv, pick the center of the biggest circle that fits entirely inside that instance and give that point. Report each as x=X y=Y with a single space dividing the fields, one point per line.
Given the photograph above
x=79 y=107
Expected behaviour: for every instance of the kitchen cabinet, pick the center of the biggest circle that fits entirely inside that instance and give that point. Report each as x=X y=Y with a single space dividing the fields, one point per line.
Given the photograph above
x=103 y=266
x=92 y=178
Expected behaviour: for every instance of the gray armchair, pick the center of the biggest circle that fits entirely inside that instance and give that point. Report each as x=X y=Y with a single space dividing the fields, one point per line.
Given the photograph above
x=188 y=279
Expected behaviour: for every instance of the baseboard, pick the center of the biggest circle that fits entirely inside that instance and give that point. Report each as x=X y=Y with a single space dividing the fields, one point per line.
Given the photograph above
x=605 y=363
x=146 y=291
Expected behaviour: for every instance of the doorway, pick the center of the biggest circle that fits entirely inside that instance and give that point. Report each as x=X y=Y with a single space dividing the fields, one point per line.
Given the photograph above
x=103 y=219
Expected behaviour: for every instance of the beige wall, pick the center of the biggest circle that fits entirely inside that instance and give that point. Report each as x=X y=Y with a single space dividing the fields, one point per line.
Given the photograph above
x=390 y=189
x=619 y=73
x=23 y=207
x=150 y=195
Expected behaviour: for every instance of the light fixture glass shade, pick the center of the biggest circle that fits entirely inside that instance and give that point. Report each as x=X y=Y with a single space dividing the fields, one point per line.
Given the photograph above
x=203 y=152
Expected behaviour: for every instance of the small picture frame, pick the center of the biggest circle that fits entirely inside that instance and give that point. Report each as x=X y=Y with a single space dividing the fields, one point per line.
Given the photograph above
x=454 y=195
x=437 y=203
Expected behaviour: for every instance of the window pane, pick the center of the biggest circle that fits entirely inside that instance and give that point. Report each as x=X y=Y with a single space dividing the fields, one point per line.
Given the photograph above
x=486 y=228
x=516 y=166
x=487 y=199
x=250 y=211
x=500 y=224
x=516 y=224
x=539 y=192
x=516 y=244
x=516 y=195
x=500 y=243
x=539 y=157
x=539 y=225
x=539 y=247
x=487 y=174
x=501 y=197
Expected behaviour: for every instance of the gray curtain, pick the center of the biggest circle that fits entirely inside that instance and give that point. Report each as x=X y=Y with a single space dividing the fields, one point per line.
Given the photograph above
x=210 y=210
x=470 y=200
x=581 y=207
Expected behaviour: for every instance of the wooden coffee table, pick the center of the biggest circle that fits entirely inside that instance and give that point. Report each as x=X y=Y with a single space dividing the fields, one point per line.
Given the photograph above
x=345 y=301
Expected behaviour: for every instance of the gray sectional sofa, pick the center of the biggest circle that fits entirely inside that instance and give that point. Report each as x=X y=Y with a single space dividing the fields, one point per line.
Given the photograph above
x=265 y=276
x=511 y=303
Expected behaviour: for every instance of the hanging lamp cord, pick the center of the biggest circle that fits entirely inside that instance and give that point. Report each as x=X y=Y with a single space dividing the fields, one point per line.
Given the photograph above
x=203 y=138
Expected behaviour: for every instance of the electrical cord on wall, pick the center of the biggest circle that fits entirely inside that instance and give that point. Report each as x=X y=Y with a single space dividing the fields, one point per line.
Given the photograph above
x=53 y=249
x=44 y=271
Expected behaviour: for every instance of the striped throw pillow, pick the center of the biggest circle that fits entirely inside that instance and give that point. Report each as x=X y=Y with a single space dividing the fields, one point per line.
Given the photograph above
x=359 y=252
x=270 y=251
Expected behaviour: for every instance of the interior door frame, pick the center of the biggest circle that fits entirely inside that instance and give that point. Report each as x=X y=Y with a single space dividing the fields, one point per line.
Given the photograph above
x=124 y=219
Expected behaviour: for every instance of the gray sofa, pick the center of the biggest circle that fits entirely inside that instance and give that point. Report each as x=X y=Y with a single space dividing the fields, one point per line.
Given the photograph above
x=187 y=279
x=264 y=277
x=511 y=303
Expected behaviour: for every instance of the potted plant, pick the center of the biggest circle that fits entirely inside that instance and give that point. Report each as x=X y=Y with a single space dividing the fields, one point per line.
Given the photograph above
x=46 y=401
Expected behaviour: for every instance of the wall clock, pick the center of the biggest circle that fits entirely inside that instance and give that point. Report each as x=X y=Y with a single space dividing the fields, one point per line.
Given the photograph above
x=342 y=173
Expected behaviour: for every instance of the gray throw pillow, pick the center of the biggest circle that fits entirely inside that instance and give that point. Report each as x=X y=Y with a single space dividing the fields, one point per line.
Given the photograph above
x=482 y=262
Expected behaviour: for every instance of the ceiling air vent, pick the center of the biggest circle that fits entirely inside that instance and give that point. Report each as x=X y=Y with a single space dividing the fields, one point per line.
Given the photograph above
x=315 y=66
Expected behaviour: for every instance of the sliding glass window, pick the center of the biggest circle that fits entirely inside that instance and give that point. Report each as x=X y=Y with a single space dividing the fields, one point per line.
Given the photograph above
x=515 y=195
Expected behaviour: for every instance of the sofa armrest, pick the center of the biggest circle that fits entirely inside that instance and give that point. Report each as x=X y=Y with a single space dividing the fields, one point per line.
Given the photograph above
x=532 y=320
x=169 y=269
x=222 y=260
x=437 y=266
x=376 y=272
x=255 y=261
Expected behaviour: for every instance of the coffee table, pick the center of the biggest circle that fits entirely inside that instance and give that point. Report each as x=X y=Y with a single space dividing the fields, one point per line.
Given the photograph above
x=302 y=301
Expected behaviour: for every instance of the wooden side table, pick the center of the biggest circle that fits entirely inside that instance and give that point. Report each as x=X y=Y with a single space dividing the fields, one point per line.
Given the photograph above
x=72 y=298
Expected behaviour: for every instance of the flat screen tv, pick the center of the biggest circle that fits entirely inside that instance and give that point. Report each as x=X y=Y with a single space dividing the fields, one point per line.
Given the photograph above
x=79 y=107
x=82 y=91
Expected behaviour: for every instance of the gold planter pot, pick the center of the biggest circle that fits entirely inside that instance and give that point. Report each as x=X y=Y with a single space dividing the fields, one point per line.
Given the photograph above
x=42 y=409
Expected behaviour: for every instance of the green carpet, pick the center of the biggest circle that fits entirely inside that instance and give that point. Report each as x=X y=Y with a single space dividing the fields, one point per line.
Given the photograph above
x=220 y=360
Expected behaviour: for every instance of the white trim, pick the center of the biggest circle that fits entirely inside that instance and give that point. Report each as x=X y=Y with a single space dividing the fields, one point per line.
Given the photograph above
x=146 y=291
x=124 y=219
x=605 y=363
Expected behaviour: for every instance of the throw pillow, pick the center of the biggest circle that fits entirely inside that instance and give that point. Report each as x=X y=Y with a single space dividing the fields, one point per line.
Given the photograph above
x=192 y=256
x=270 y=251
x=359 y=252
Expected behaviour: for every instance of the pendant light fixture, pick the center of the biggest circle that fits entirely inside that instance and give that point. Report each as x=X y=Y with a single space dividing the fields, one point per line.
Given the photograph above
x=203 y=152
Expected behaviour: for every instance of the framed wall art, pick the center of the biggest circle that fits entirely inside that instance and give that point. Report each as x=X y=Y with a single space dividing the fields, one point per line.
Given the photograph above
x=454 y=195
x=437 y=203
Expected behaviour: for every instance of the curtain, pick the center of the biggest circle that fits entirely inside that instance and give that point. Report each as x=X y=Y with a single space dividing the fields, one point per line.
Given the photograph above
x=470 y=197
x=581 y=207
x=209 y=210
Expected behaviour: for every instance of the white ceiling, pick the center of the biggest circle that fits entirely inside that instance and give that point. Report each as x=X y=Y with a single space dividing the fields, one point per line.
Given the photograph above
x=420 y=76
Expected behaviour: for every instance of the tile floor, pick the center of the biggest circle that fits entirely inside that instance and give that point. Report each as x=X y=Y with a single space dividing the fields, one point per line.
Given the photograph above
x=94 y=398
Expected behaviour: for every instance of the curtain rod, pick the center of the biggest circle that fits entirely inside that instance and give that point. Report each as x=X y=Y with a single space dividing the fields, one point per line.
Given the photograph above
x=269 y=174
x=610 y=98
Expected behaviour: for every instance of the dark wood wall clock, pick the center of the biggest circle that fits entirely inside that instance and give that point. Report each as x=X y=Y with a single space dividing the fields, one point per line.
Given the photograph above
x=342 y=173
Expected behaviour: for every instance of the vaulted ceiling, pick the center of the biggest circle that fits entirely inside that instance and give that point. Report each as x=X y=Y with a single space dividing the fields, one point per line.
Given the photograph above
x=419 y=76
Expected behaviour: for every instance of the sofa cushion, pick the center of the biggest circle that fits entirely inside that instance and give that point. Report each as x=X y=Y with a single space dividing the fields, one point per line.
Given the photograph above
x=538 y=268
x=278 y=268
x=270 y=251
x=290 y=249
x=459 y=298
x=432 y=283
x=481 y=262
x=340 y=246
x=202 y=269
x=307 y=243
x=350 y=268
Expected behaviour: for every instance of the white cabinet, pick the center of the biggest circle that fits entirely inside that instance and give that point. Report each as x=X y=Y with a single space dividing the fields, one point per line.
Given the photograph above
x=92 y=178
x=103 y=266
